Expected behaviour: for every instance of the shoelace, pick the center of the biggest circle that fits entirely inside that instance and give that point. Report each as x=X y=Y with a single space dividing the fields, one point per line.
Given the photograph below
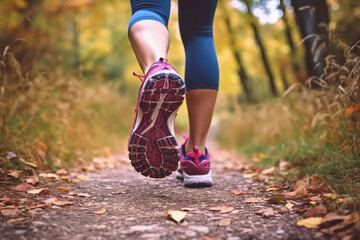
x=142 y=77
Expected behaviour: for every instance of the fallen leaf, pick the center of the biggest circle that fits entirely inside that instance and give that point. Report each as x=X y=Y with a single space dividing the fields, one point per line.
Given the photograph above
x=64 y=188
x=10 y=212
x=289 y=206
x=352 y=109
x=82 y=177
x=50 y=201
x=249 y=175
x=187 y=209
x=219 y=208
x=12 y=173
x=7 y=207
x=28 y=163
x=41 y=148
x=116 y=193
x=331 y=196
x=227 y=210
x=61 y=203
x=225 y=222
x=315 y=198
x=347 y=222
x=315 y=179
x=22 y=187
x=10 y=155
x=276 y=199
x=252 y=200
x=312 y=222
x=176 y=215
x=267 y=212
x=66 y=179
x=61 y=172
x=268 y=171
x=39 y=190
x=17 y=219
x=316 y=211
x=49 y=175
x=83 y=195
x=237 y=192
x=8 y=200
x=102 y=211
x=37 y=206
x=274 y=188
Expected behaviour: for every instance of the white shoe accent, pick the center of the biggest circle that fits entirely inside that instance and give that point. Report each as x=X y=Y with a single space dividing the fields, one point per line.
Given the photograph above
x=205 y=179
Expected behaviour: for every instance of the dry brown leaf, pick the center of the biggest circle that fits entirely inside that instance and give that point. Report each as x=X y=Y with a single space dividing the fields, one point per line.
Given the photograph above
x=61 y=172
x=12 y=173
x=22 y=187
x=252 y=200
x=50 y=201
x=315 y=179
x=49 y=175
x=64 y=188
x=219 y=208
x=66 y=179
x=312 y=222
x=102 y=211
x=176 y=215
x=8 y=201
x=316 y=211
x=61 y=203
x=237 y=192
x=276 y=199
x=315 y=198
x=37 y=206
x=249 y=175
x=227 y=210
x=10 y=212
x=82 y=177
x=267 y=212
x=17 y=219
x=41 y=148
x=268 y=171
x=225 y=222
x=347 y=223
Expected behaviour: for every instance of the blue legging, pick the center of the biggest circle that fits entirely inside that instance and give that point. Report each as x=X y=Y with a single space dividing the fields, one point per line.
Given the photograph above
x=196 y=28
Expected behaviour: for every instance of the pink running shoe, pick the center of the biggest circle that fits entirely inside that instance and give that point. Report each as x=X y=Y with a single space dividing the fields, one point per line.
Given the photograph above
x=152 y=145
x=194 y=168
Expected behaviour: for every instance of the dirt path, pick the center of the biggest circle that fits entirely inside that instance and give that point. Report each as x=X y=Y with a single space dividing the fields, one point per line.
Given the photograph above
x=136 y=209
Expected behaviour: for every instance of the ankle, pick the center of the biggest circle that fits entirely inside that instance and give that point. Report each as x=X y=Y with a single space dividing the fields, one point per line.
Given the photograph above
x=189 y=147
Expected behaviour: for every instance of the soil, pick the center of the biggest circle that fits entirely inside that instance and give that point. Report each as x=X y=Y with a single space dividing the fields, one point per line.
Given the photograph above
x=136 y=208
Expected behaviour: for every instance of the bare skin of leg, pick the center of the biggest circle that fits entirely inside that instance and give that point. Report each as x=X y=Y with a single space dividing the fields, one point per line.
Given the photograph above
x=200 y=105
x=150 y=41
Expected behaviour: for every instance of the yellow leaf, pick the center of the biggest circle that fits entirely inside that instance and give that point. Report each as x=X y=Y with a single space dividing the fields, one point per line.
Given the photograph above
x=82 y=177
x=176 y=215
x=102 y=211
x=17 y=219
x=35 y=191
x=331 y=195
x=64 y=188
x=272 y=189
x=289 y=206
x=312 y=222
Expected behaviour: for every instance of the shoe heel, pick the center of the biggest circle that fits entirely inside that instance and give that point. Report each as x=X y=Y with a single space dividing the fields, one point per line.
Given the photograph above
x=170 y=152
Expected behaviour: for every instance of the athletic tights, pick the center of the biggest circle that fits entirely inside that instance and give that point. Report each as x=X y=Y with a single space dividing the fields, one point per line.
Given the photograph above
x=196 y=28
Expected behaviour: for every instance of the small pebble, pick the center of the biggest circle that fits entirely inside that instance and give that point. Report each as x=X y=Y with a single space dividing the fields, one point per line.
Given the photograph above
x=280 y=232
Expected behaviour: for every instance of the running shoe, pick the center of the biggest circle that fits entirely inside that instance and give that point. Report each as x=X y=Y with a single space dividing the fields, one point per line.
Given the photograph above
x=153 y=150
x=194 y=168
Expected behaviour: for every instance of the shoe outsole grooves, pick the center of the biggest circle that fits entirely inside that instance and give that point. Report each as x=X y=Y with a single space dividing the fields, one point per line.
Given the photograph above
x=153 y=150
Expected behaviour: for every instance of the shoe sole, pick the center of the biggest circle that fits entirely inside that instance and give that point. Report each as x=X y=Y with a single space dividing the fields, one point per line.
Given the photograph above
x=153 y=150
x=197 y=181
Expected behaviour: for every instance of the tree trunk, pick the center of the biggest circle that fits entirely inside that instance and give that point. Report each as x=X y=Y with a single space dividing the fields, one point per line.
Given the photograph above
x=313 y=21
x=262 y=50
x=243 y=77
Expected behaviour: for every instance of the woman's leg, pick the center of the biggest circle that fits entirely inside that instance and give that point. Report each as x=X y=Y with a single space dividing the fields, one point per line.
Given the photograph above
x=148 y=33
x=202 y=70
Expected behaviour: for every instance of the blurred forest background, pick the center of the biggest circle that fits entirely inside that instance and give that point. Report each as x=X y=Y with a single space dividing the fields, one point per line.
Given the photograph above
x=289 y=82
